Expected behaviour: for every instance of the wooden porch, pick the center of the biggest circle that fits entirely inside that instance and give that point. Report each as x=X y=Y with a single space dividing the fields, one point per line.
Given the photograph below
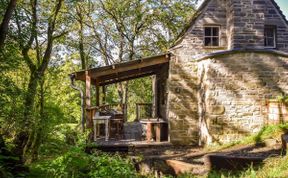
x=116 y=129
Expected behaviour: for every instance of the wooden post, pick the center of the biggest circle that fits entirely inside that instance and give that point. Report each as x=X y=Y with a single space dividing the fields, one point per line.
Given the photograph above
x=154 y=90
x=104 y=95
x=97 y=94
x=89 y=121
x=158 y=132
x=149 y=131
x=137 y=112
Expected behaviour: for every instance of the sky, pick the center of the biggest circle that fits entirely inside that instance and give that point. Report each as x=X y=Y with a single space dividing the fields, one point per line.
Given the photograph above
x=284 y=6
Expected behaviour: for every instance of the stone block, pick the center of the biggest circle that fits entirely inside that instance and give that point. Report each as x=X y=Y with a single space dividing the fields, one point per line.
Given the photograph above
x=216 y=109
x=284 y=139
x=180 y=167
x=227 y=162
x=176 y=124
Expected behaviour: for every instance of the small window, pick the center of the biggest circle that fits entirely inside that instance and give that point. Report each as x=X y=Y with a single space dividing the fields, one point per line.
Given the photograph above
x=270 y=36
x=211 y=36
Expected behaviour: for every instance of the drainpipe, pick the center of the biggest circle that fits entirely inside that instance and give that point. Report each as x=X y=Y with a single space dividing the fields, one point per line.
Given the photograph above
x=72 y=78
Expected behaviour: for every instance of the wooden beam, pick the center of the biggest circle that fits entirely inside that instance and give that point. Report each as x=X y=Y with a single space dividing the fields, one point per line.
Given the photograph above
x=88 y=89
x=89 y=121
x=117 y=80
x=126 y=74
x=124 y=67
x=137 y=64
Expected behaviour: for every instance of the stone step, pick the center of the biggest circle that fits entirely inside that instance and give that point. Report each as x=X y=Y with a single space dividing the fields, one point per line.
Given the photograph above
x=230 y=162
x=181 y=167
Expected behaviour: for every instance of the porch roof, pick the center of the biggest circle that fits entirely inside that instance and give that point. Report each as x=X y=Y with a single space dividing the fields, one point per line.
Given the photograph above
x=123 y=71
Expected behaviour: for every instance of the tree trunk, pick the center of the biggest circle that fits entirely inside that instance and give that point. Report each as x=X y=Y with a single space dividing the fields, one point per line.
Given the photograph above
x=30 y=98
x=126 y=99
x=81 y=38
x=28 y=112
x=31 y=125
x=205 y=137
x=37 y=139
x=120 y=92
x=5 y=22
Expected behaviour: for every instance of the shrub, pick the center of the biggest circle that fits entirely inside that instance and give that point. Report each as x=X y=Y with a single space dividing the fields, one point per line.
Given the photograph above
x=76 y=163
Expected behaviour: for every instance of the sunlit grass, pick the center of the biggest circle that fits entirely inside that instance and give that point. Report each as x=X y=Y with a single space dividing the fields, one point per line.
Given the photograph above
x=267 y=132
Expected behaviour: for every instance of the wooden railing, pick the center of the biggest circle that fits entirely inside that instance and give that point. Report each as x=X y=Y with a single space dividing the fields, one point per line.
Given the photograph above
x=144 y=111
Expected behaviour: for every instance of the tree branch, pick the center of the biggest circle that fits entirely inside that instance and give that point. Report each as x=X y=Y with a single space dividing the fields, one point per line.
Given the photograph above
x=50 y=39
x=5 y=22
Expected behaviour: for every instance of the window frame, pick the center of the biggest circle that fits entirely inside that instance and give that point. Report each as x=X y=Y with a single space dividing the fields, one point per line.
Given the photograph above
x=211 y=37
x=274 y=35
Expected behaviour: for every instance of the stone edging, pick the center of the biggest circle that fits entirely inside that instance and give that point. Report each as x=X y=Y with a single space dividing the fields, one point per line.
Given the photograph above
x=236 y=51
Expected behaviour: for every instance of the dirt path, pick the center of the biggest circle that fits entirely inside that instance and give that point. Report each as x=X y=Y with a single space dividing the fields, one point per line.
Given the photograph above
x=198 y=161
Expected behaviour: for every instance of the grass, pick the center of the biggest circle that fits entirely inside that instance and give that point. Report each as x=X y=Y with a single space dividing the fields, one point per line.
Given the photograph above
x=272 y=167
x=267 y=132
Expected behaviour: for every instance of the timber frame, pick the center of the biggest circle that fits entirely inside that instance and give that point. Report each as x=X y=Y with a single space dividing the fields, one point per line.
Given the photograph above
x=106 y=75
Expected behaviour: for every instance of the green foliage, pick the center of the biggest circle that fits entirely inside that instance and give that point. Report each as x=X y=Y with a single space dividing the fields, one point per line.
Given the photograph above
x=283 y=98
x=140 y=91
x=47 y=112
x=76 y=163
x=61 y=159
x=273 y=167
x=267 y=132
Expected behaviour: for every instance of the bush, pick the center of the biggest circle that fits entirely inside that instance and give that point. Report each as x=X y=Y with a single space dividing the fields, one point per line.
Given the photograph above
x=76 y=163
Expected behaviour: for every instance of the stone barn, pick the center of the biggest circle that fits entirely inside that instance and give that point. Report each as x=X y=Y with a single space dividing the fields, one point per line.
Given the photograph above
x=224 y=68
x=217 y=82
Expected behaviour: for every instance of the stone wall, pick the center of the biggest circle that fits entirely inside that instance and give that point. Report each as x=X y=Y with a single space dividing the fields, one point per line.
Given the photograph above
x=241 y=24
x=213 y=14
x=273 y=17
x=248 y=23
x=250 y=17
x=229 y=92
x=225 y=94
x=161 y=87
x=182 y=101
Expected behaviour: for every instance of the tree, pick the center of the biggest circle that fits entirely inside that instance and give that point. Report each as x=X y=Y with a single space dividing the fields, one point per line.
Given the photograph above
x=5 y=22
x=136 y=29
x=43 y=49
x=99 y=32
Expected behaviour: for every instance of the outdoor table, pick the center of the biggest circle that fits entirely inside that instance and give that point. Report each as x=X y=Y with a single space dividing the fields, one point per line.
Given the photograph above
x=150 y=123
x=101 y=119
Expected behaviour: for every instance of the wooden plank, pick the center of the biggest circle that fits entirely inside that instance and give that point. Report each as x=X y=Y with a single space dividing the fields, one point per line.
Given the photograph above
x=117 y=80
x=122 y=67
x=130 y=73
